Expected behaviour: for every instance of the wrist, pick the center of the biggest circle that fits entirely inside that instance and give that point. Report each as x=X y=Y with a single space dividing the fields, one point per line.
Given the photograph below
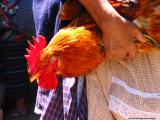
x=112 y=20
x=107 y=15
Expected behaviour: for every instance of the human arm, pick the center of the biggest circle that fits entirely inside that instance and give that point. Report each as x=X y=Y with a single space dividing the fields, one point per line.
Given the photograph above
x=118 y=33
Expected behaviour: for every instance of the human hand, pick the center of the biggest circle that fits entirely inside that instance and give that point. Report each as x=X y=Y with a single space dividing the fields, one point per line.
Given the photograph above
x=118 y=33
x=119 y=36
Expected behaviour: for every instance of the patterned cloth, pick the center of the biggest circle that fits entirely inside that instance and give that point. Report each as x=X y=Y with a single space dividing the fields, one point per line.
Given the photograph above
x=24 y=17
x=12 y=49
x=13 y=67
x=83 y=105
x=9 y=6
x=54 y=110
x=63 y=103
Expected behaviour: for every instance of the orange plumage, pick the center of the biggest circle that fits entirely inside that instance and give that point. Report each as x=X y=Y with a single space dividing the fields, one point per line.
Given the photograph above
x=77 y=49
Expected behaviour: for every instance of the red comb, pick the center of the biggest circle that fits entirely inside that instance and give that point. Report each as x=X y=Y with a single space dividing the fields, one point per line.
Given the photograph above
x=34 y=53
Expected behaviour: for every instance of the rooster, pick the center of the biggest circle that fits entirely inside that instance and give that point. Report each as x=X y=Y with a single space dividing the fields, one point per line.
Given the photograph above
x=70 y=53
x=78 y=48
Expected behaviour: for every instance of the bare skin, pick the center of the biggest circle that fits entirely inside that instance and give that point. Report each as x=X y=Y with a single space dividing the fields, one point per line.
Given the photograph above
x=118 y=33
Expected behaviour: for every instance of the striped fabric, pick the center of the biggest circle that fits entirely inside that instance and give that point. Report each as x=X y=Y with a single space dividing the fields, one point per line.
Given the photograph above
x=56 y=108
x=24 y=17
x=14 y=71
x=42 y=100
x=73 y=111
x=54 y=111
x=83 y=106
x=68 y=85
x=2 y=91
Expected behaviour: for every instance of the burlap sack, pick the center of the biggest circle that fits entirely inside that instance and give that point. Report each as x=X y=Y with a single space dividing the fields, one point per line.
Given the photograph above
x=128 y=89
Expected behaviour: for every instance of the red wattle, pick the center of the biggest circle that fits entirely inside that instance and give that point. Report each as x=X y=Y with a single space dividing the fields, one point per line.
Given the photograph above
x=48 y=79
x=48 y=82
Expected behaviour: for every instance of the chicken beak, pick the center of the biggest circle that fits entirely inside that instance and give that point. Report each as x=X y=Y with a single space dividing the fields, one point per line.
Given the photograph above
x=34 y=77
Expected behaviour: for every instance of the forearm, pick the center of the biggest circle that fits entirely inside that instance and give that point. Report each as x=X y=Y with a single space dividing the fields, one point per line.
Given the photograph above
x=101 y=11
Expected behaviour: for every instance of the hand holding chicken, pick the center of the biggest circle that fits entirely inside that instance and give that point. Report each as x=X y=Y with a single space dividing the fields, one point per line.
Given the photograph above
x=78 y=49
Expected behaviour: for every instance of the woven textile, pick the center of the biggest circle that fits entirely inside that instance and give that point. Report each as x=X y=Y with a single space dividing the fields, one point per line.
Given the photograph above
x=42 y=100
x=13 y=69
x=24 y=17
x=98 y=87
x=83 y=106
x=54 y=110
x=2 y=93
x=56 y=107
x=127 y=89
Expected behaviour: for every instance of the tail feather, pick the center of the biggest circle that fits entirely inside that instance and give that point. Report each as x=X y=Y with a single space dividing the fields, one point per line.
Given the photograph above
x=34 y=51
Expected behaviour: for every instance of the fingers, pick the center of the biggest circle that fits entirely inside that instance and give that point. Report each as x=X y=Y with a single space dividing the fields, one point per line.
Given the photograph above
x=119 y=43
x=139 y=35
x=120 y=53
